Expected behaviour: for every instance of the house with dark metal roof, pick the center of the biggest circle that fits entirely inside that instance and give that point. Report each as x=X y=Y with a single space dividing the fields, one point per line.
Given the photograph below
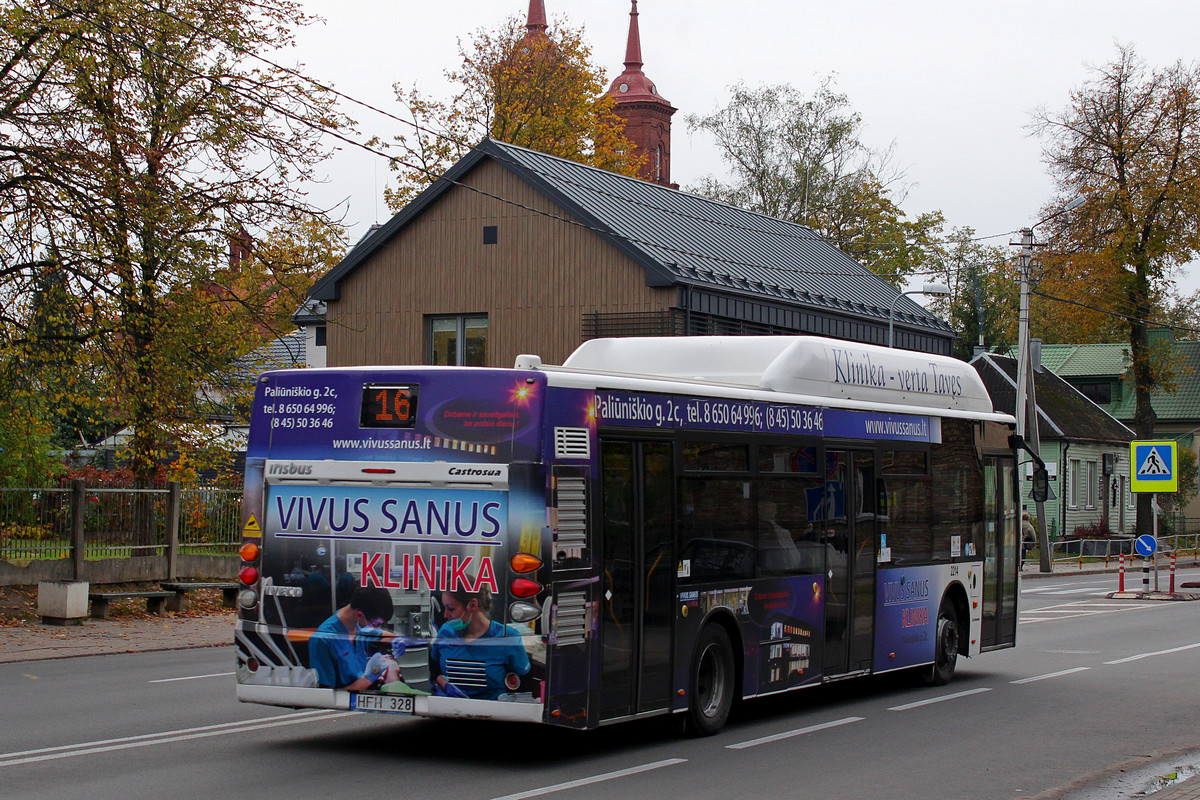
x=513 y=251
x=1085 y=448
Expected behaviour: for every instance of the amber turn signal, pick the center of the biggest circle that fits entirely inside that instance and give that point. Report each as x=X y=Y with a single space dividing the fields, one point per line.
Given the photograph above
x=523 y=562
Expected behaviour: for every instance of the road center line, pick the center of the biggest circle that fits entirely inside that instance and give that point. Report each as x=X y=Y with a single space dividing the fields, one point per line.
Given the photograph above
x=608 y=776
x=933 y=700
x=798 y=732
x=165 y=737
x=1051 y=675
x=1140 y=656
x=193 y=677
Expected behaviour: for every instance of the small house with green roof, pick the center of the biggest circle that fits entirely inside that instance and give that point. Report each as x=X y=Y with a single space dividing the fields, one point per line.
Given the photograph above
x=1102 y=373
x=1085 y=448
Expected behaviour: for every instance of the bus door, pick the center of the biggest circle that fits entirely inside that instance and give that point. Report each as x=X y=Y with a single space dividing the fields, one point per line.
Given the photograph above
x=637 y=576
x=851 y=502
x=1001 y=554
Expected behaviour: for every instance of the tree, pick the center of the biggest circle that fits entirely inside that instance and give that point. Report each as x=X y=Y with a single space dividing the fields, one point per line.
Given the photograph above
x=137 y=140
x=533 y=88
x=1128 y=141
x=802 y=159
x=983 y=300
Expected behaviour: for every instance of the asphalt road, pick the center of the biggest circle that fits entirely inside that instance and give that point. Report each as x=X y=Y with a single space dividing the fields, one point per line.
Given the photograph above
x=1093 y=684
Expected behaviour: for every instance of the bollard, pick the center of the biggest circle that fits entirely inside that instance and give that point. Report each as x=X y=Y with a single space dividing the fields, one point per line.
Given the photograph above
x=1145 y=574
x=1172 y=590
x=1121 y=581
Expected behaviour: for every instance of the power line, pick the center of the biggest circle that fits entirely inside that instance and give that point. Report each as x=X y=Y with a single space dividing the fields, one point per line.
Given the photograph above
x=289 y=114
x=466 y=145
x=1125 y=317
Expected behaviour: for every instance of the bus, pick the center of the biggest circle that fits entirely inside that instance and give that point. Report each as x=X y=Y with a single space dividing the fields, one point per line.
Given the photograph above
x=659 y=526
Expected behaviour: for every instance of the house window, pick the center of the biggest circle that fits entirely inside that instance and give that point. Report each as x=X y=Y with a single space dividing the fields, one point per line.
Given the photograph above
x=1092 y=484
x=319 y=336
x=1073 y=484
x=1099 y=393
x=459 y=340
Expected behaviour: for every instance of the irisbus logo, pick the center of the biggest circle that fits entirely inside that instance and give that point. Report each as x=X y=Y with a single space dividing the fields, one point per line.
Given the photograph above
x=290 y=469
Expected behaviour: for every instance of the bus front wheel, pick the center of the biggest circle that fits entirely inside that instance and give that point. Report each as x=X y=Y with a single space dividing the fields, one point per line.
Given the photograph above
x=945 y=646
x=712 y=686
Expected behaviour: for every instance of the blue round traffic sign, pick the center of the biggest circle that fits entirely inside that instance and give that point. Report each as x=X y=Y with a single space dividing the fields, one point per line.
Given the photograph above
x=1145 y=545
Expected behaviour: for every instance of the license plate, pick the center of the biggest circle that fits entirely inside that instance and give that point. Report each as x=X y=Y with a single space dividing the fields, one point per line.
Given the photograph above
x=390 y=703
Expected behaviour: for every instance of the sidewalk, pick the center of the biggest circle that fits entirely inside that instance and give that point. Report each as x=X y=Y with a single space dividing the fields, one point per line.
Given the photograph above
x=1184 y=790
x=1133 y=570
x=131 y=629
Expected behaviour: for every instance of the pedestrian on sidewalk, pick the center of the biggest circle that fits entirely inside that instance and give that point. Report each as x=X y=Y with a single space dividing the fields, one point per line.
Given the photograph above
x=1028 y=536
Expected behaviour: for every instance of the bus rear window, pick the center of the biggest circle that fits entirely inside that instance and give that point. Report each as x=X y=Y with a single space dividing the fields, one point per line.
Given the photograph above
x=389 y=405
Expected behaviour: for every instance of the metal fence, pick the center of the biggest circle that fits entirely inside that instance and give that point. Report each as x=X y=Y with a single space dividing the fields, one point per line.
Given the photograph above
x=210 y=519
x=37 y=523
x=1109 y=550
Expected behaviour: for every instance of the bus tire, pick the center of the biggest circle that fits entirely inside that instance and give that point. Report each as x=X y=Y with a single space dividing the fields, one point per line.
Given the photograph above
x=945 y=655
x=712 y=682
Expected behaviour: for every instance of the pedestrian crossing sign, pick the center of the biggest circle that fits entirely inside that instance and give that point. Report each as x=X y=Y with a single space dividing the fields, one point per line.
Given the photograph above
x=1154 y=467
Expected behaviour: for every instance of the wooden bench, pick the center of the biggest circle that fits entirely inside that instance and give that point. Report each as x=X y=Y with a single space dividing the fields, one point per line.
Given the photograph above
x=100 y=601
x=179 y=590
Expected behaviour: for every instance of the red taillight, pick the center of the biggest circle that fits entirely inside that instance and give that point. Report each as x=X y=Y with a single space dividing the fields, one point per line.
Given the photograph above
x=248 y=575
x=252 y=664
x=512 y=681
x=523 y=587
x=249 y=551
x=523 y=562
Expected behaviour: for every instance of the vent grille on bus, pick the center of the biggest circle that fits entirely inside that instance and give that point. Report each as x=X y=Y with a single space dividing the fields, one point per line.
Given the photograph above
x=570 y=619
x=572 y=514
x=572 y=443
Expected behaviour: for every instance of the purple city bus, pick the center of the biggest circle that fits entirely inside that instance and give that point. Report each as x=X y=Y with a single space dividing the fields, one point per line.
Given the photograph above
x=658 y=526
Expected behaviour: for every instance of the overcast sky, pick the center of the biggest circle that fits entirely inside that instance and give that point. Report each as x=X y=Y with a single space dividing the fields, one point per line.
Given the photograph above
x=951 y=83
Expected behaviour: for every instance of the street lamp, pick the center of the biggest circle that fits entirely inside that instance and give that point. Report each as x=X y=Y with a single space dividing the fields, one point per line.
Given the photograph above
x=929 y=289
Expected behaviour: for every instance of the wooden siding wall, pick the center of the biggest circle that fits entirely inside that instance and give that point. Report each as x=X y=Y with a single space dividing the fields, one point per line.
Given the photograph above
x=535 y=284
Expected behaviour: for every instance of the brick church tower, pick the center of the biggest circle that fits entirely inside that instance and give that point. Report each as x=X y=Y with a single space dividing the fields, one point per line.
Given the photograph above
x=647 y=114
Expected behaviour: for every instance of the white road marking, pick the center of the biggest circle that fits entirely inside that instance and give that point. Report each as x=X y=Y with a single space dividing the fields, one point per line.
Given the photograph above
x=1096 y=590
x=1140 y=656
x=1051 y=675
x=1085 y=608
x=608 y=776
x=164 y=737
x=933 y=700
x=193 y=677
x=789 y=734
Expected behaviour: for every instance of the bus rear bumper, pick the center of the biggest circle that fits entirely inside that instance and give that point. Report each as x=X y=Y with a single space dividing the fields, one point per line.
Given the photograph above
x=424 y=706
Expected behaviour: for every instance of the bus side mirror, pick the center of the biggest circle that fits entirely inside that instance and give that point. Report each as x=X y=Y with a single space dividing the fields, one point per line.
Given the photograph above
x=1041 y=485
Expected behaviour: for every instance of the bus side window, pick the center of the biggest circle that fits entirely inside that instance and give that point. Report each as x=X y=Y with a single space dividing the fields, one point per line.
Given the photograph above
x=716 y=528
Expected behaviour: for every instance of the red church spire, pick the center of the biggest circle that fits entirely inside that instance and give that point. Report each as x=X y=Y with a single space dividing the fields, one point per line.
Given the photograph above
x=535 y=22
x=647 y=114
x=633 y=47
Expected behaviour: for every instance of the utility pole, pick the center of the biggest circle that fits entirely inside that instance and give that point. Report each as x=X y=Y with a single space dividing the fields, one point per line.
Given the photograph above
x=1027 y=414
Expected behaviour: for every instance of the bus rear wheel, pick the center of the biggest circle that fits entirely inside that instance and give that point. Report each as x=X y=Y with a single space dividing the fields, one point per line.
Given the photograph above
x=945 y=657
x=712 y=679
